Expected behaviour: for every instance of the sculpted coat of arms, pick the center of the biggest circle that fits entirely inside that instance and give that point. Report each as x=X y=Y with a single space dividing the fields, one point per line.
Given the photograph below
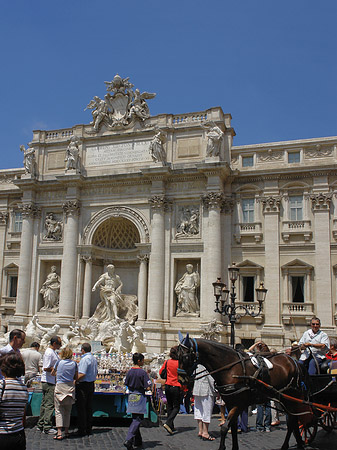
x=122 y=106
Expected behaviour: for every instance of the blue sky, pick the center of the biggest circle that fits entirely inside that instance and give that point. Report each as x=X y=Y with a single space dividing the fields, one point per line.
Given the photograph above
x=271 y=64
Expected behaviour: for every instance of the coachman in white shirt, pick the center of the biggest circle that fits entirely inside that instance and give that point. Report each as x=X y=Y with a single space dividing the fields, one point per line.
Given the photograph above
x=315 y=344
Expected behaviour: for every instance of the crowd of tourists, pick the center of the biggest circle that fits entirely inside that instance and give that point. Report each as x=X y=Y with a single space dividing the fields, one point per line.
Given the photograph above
x=64 y=382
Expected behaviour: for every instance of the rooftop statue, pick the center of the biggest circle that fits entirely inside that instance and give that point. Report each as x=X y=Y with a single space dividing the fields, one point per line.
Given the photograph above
x=29 y=160
x=121 y=108
x=156 y=148
x=72 y=158
x=214 y=139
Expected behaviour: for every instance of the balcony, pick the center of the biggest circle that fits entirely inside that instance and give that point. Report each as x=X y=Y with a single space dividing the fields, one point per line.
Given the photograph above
x=296 y=228
x=253 y=229
x=297 y=312
x=7 y=304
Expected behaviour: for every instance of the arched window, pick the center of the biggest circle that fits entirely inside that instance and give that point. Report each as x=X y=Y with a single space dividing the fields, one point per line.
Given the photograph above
x=116 y=233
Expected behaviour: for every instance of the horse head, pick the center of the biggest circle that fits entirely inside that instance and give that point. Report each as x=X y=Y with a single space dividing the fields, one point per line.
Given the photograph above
x=188 y=358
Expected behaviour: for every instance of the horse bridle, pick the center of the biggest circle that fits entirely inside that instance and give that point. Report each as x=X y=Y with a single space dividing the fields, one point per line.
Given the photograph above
x=189 y=357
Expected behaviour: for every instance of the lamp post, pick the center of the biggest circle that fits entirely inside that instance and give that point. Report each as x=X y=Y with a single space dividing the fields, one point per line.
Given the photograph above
x=230 y=309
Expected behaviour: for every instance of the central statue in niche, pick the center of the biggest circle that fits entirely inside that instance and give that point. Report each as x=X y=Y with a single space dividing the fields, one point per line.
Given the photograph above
x=111 y=288
x=186 y=287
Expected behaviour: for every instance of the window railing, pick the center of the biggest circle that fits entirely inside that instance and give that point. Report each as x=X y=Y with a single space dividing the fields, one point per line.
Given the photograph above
x=294 y=311
x=248 y=229
x=296 y=227
x=8 y=301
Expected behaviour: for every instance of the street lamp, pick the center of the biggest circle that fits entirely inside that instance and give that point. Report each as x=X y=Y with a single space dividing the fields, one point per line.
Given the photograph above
x=231 y=310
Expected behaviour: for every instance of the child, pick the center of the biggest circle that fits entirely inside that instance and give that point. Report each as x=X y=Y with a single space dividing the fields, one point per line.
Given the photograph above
x=138 y=382
x=332 y=353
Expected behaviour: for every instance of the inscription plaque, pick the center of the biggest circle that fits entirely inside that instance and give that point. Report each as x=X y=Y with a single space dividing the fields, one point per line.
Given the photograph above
x=119 y=153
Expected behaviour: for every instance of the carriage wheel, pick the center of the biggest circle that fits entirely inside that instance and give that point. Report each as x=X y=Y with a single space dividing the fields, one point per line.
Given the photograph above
x=328 y=421
x=308 y=431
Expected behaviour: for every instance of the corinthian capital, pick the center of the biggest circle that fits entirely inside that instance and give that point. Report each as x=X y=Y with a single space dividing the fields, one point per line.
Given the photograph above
x=3 y=217
x=212 y=200
x=321 y=201
x=159 y=202
x=143 y=258
x=71 y=207
x=271 y=203
x=30 y=210
x=227 y=205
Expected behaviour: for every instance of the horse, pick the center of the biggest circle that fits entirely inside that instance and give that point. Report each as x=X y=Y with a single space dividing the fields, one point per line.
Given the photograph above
x=239 y=382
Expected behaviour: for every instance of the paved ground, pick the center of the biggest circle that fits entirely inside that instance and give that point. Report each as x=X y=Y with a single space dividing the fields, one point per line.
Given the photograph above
x=111 y=435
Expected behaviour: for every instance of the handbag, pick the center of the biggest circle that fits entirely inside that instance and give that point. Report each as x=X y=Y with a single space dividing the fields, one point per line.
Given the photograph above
x=163 y=374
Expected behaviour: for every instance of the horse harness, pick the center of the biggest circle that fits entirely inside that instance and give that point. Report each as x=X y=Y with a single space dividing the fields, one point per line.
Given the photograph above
x=261 y=374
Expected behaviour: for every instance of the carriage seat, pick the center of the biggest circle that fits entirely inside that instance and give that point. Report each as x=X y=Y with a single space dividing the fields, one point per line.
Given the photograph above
x=257 y=361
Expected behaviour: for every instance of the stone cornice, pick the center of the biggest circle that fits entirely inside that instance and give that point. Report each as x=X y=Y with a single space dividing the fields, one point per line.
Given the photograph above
x=309 y=173
x=290 y=144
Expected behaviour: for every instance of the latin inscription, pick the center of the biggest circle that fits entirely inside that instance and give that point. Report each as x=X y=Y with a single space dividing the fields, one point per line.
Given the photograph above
x=121 y=153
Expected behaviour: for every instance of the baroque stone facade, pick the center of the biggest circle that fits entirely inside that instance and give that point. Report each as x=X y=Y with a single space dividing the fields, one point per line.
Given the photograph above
x=152 y=207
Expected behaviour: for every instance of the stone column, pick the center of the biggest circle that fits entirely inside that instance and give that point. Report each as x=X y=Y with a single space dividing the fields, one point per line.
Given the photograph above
x=3 y=225
x=321 y=209
x=29 y=212
x=69 y=259
x=212 y=267
x=155 y=303
x=87 y=287
x=271 y=211
x=142 y=286
x=227 y=210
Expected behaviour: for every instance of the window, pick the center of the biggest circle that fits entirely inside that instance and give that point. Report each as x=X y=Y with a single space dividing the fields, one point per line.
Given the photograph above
x=247 y=161
x=296 y=207
x=297 y=285
x=13 y=285
x=17 y=222
x=247 y=343
x=248 y=205
x=294 y=157
x=248 y=289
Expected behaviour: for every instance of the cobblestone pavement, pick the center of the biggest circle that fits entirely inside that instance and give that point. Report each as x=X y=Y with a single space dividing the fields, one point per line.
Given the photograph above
x=111 y=435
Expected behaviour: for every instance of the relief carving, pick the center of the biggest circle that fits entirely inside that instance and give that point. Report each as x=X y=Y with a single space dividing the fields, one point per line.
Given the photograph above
x=270 y=156
x=188 y=225
x=318 y=152
x=53 y=228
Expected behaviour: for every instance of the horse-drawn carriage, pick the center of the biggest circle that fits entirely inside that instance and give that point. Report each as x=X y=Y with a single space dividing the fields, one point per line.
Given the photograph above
x=324 y=393
x=309 y=402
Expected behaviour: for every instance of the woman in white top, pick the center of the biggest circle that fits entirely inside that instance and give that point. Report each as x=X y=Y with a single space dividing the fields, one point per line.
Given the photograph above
x=64 y=395
x=203 y=392
x=13 y=401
